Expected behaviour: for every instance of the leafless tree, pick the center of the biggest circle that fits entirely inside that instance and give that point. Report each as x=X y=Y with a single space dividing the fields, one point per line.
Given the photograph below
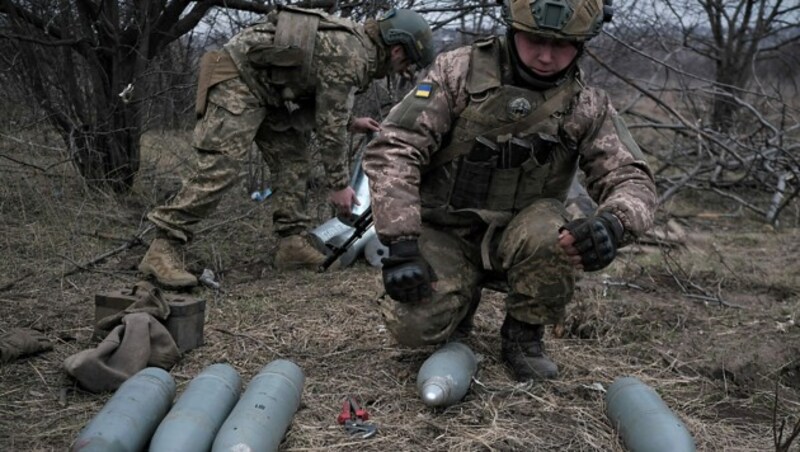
x=693 y=63
x=85 y=63
x=735 y=35
x=81 y=61
x=754 y=164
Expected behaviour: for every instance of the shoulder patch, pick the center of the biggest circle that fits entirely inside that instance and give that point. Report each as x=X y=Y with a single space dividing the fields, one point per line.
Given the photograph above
x=423 y=90
x=406 y=113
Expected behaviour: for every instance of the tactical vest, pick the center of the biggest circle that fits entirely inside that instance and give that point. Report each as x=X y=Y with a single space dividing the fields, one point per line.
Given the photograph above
x=507 y=158
x=287 y=62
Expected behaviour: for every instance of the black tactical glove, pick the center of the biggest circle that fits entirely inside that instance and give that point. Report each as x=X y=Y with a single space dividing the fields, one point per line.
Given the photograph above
x=407 y=276
x=596 y=238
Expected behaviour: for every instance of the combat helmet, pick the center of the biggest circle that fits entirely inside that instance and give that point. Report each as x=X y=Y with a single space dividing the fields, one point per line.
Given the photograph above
x=409 y=29
x=571 y=20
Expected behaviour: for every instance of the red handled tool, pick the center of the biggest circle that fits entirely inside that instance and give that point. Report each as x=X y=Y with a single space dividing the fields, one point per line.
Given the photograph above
x=354 y=418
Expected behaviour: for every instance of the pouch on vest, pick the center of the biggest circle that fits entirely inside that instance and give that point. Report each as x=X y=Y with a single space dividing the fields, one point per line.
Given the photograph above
x=288 y=58
x=505 y=179
x=502 y=189
x=268 y=56
x=215 y=67
x=474 y=175
x=535 y=171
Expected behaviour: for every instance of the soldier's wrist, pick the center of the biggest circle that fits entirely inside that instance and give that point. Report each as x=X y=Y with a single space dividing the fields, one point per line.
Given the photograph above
x=338 y=184
x=405 y=247
x=614 y=224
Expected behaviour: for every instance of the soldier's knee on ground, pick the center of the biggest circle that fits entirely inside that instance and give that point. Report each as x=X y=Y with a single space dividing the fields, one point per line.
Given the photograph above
x=409 y=335
x=411 y=332
x=430 y=322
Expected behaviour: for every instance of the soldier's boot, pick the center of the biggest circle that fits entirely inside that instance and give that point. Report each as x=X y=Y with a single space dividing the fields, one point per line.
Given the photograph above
x=297 y=251
x=163 y=262
x=523 y=351
x=463 y=329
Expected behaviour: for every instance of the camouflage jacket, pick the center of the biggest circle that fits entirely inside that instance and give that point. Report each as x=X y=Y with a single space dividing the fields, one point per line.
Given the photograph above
x=345 y=60
x=424 y=122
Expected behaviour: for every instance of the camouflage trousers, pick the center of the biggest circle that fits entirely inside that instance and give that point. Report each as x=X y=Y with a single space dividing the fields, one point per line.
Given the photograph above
x=233 y=120
x=524 y=254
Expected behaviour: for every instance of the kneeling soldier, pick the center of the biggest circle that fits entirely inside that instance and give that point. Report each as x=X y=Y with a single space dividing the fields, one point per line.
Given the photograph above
x=469 y=176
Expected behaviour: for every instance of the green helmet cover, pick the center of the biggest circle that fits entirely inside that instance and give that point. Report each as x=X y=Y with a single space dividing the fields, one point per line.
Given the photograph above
x=572 y=20
x=409 y=29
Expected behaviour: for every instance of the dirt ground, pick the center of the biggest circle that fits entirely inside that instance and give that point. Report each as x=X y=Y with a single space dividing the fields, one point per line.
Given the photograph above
x=707 y=316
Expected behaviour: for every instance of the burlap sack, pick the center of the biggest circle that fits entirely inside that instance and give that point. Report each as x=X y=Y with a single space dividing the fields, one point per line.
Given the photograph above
x=140 y=341
x=148 y=300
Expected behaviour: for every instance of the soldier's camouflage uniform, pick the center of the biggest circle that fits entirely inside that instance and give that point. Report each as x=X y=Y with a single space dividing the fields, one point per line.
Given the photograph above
x=259 y=90
x=511 y=235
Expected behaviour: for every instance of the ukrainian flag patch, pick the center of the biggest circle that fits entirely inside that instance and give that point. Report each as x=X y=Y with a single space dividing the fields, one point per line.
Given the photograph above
x=423 y=90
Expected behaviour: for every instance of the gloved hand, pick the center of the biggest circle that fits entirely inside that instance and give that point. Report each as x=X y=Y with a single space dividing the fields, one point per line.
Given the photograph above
x=407 y=276
x=596 y=239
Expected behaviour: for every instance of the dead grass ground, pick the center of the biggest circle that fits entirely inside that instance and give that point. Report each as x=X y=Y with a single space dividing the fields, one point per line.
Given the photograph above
x=656 y=315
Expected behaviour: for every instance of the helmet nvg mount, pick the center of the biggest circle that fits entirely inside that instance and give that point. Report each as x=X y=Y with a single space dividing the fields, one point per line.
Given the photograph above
x=572 y=20
x=409 y=29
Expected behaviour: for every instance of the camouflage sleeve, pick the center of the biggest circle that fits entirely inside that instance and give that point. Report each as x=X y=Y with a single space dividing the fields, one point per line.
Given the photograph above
x=411 y=133
x=617 y=175
x=334 y=102
x=340 y=72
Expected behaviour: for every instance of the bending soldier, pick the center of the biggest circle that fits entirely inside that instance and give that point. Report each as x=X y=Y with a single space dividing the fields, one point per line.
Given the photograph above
x=470 y=172
x=274 y=82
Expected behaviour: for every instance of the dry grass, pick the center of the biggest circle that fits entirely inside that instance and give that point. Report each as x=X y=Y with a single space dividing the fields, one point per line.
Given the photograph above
x=715 y=366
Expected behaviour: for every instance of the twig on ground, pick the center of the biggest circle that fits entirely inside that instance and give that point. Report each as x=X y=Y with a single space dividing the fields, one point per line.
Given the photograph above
x=20 y=162
x=717 y=300
x=741 y=201
x=11 y=284
x=259 y=342
x=222 y=223
x=626 y=284
x=782 y=445
x=104 y=236
x=135 y=241
x=669 y=262
x=609 y=283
